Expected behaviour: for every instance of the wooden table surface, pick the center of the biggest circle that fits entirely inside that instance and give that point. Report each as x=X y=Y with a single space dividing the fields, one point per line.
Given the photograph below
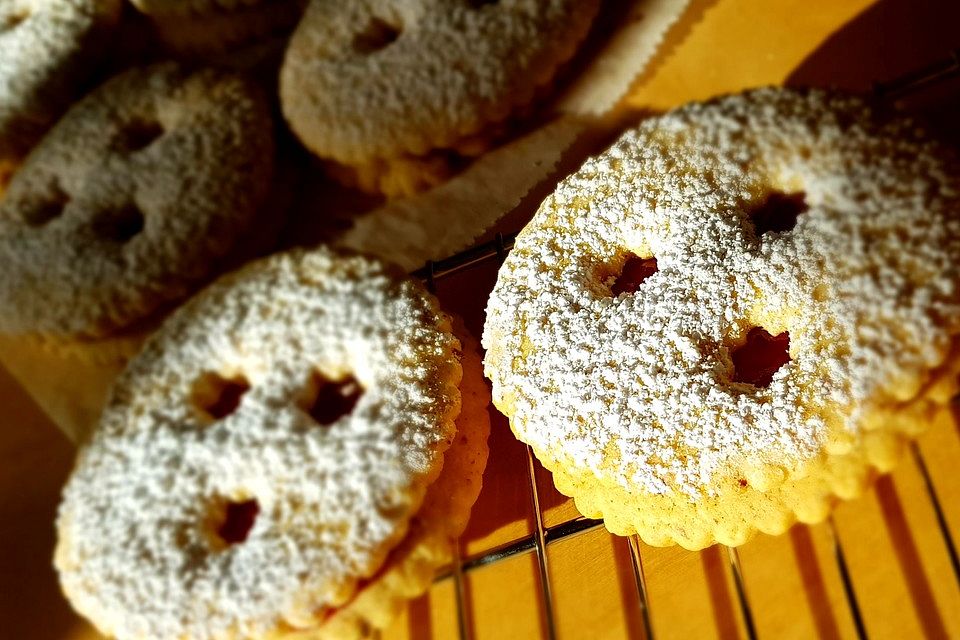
x=902 y=581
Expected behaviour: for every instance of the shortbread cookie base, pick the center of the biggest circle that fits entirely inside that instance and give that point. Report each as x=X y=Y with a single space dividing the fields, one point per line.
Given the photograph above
x=117 y=348
x=394 y=177
x=767 y=498
x=408 y=175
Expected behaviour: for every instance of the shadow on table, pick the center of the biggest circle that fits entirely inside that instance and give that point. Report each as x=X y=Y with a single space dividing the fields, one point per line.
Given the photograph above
x=36 y=459
x=887 y=40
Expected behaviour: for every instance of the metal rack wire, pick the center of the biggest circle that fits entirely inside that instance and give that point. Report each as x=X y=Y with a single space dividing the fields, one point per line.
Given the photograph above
x=538 y=541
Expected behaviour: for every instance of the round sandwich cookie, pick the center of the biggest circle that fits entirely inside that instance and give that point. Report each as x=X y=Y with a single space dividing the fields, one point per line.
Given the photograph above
x=393 y=91
x=139 y=194
x=48 y=49
x=735 y=315
x=274 y=460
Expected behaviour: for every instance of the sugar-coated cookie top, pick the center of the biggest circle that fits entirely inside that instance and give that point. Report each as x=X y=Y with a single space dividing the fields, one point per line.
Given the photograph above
x=644 y=388
x=379 y=78
x=263 y=452
x=133 y=197
x=46 y=47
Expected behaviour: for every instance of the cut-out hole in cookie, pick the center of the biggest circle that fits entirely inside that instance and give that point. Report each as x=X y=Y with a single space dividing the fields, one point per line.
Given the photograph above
x=328 y=401
x=760 y=357
x=238 y=520
x=45 y=207
x=479 y=4
x=138 y=135
x=120 y=225
x=778 y=212
x=216 y=396
x=635 y=271
x=14 y=19
x=378 y=35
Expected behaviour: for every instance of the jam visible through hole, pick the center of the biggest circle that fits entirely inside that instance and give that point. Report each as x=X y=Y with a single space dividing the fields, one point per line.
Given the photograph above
x=139 y=135
x=216 y=397
x=635 y=271
x=378 y=35
x=120 y=226
x=331 y=401
x=238 y=520
x=760 y=357
x=46 y=207
x=14 y=19
x=778 y=212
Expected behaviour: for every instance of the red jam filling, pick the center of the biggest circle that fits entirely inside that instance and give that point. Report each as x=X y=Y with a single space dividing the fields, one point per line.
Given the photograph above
x=139 y=135
x=228 y=398
x=238 y=521
x=635 y=271
x=778 y=212
x=378 y=35
x=120 y=226
x=335 y=400
x=760 y=357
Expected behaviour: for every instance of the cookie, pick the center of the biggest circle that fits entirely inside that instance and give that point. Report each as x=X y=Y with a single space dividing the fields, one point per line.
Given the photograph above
x=263 y=454
x=48 y=49
x=139 y=194
x=734 y=315
x=375 y=83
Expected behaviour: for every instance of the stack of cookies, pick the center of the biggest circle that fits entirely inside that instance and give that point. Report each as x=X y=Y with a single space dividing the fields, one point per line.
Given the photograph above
x=293 y=454
x=734 y=316
x=120 y=196
x=295 y=450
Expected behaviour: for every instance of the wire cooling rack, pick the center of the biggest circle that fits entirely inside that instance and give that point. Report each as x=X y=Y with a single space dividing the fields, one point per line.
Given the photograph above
x=538 y=541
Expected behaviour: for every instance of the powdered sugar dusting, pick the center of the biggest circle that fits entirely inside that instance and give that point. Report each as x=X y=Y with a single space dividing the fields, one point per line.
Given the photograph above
x=186 y=155
x=637 y=388
x=47 y=49
x=136 y=552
